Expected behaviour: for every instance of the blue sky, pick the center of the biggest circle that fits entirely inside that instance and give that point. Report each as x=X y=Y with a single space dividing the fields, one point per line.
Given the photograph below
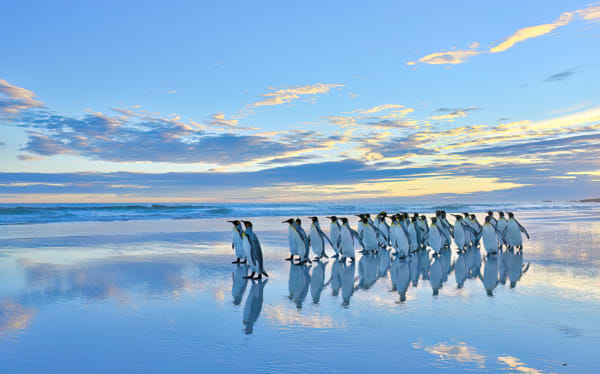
x=185 y=101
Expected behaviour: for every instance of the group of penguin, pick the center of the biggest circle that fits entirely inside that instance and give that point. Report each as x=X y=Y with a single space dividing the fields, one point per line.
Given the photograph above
x=406 y=234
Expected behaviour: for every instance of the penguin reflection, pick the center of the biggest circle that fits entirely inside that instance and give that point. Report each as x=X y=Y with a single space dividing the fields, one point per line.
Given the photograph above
x=436 y=275
x=516 y=269
x=253 y=305
x=474 y=264
x=239 y=283
x=446 y=260
x=502 y=267
x=317 y=281
x=424 y=265
x=490 y=274
x=367 y=271
x=460 y=269
x=383 y=257
x=413 y=264
x=400 y=274
x=336 y=278
x=298 y=283
x=347 y=282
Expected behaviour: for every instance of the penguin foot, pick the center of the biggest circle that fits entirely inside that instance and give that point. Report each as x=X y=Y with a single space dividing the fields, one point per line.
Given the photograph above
x=251 y=276
x=352 y=258
x=291 y=258
x=259 y=276
x=317 y=259
x=243 y=262
x=236 y=261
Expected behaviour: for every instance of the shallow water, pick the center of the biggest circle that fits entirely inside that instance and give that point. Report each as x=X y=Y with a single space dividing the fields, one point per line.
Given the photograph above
x=162 y=295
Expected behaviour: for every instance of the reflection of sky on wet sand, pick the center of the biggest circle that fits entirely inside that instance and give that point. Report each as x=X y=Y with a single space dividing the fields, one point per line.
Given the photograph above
x=172 y=300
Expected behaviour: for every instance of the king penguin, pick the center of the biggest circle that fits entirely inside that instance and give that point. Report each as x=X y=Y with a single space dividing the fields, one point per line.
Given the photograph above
x=488 y=233
x=434 y=236
x=512 y=232
x=304 y=243
x=317 y=239
x=334 y=234
x=236 y=242
x=346 y=240
x=295 y=241
x=256 y=256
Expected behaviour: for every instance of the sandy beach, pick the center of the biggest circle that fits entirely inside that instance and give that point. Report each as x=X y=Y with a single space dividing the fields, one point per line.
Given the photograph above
x=162 y=295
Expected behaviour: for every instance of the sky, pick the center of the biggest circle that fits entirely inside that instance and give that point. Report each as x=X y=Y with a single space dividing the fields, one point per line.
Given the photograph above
x=187 y=101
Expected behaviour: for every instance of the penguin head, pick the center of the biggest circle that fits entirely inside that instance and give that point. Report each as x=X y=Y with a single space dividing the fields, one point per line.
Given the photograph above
x=332 y=218
x=298 y=221
x=413 y=219
x=290 y=221
x=443 y=213
x=472 y=216
x=416 y=215
x=457 y=216
x=364 y=219
x=466 y=214
x=488 y=219
x=433 y=219
x=423 y=218
x=344 y=220
x=247 y=224
x=511 y=215
x=394 y=218
x=437 y=213
x=314 y=219
x=234 y=222
x=382 y=214
x=501 y=214
x=490 y=213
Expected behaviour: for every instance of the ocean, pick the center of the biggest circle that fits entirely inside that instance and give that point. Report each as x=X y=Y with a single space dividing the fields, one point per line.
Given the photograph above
x=19 y=214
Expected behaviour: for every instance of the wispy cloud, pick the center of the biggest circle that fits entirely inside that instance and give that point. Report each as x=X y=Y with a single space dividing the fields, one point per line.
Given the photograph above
x=286 y=95
x=561 y=76
x=451 y=114
x=218 y=121
x=591 y=13
x=532 y=32
x=387 y=116
x=16 y=99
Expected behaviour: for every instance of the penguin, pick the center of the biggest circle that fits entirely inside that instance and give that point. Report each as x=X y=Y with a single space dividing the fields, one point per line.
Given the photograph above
x=512 y=233
x=253 y=305
x=371 y=236
x=477 y=227
x=434 y=236
x=317 y=239
x=256 y=256
x=459 y=233
x=424 y=230
x=500 y=226
x=399 y=238
x=488 y=232
x=295 y=240
x=239 y=283
x=303 y=243
x=359 y=227
x=493 y=220
x=334 y=234
x=382 y=225
x=413 y=242
x=346 y=240
x=236 y=242
x=448 y=229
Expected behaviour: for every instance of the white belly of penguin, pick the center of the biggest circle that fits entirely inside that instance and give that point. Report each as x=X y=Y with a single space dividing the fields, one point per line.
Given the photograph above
x=435 y=239
x=316 y=241
x=459 y=236
x=513 y=234
x=347 y=244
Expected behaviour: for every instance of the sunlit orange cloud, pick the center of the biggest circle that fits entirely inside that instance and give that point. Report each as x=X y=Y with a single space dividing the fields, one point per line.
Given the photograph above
x=591 y=13
x=532 y=32
x=286 y=95
x=16 y=318
x=460 y=352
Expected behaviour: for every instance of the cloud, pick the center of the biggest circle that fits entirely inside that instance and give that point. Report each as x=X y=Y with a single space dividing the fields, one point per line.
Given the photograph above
x=155 y=139
x=591 y=13
x=448 y=57
x=516 y=365
x=451 y=114
x=286 y=95
x=460 y=352
x=15 y=99
x=378 y=108
x=563 y=75
x=532 y=32
x=218 y=121
x=389 y=116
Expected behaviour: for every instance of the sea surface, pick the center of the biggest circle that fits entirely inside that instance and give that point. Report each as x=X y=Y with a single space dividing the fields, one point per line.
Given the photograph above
x=151 y=288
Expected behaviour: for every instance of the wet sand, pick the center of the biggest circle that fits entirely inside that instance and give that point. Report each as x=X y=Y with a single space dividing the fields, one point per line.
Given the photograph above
x=156 y=296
